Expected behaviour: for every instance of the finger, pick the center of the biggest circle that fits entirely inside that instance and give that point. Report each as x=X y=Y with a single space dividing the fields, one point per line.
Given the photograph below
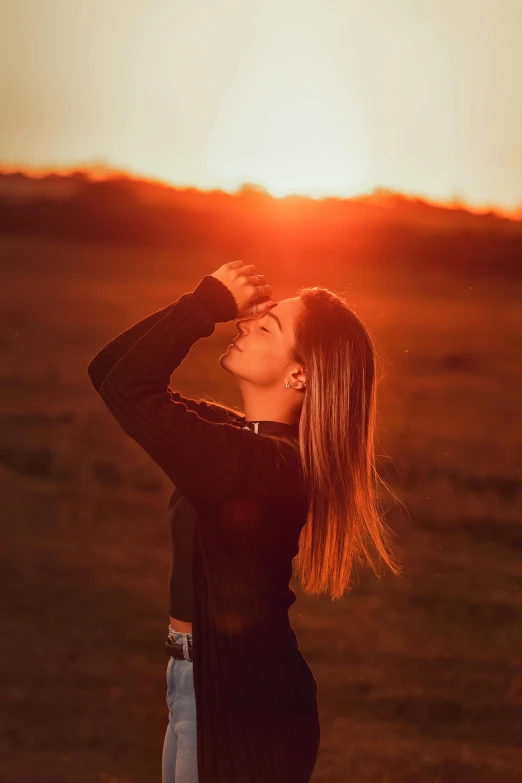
x=263 y=290
x=256 y=279
x=234 y=264
x=248 y=269
x=264 y=306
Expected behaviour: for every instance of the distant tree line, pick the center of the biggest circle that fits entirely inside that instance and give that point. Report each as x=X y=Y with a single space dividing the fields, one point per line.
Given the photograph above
x=384 y=229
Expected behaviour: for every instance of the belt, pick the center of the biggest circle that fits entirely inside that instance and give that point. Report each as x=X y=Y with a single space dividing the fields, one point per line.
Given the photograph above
x=175 y=649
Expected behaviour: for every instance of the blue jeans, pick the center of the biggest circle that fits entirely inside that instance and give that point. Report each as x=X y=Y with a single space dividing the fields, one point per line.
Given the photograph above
x=179 y=761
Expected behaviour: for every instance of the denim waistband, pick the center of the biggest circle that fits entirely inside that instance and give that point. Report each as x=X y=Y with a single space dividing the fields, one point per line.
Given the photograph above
x=180 y=637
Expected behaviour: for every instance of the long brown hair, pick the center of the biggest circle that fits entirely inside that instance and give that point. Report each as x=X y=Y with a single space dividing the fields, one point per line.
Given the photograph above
x=337 y=432
x=336 y=442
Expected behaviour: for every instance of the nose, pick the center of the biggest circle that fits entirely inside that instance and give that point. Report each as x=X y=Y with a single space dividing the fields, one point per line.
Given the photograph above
x=241 y=326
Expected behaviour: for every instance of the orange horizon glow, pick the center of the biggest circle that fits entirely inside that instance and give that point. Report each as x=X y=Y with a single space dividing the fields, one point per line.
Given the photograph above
x=318 y=100
x=97 y=173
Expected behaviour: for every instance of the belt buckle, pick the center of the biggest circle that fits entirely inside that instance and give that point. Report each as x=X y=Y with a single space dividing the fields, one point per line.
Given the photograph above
x=178 y=646
x=173 y=646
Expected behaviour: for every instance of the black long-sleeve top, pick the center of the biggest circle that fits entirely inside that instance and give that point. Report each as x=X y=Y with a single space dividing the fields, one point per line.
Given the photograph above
x=256 y=697
x=181 y=516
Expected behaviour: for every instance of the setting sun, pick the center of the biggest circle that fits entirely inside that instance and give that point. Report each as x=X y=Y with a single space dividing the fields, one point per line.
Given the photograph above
x=288 y=122
x=308 y=98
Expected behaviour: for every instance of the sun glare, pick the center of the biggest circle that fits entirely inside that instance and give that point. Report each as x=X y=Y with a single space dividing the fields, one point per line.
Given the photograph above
x=288 y=123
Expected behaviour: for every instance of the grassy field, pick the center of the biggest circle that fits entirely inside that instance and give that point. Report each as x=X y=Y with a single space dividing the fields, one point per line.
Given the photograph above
x=419 y=677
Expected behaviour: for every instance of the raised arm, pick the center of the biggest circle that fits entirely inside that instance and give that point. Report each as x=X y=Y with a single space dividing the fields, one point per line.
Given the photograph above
x=206 y=460
x=105 y=360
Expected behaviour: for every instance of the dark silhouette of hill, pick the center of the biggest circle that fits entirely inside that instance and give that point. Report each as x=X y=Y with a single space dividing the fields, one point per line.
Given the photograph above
x=380 y=228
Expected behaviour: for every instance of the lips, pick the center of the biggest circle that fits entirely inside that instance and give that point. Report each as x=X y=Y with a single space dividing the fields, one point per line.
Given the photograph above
x=236 y=347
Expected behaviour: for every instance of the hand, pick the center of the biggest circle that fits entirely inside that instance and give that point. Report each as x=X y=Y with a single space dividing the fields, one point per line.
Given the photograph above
x=240 y=279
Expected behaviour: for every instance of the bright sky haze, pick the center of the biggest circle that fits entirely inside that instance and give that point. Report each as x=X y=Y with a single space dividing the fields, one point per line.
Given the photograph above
x=332 y=97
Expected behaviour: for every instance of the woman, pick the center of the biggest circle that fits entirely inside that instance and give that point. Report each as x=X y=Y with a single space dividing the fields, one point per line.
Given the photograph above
x=291 y=481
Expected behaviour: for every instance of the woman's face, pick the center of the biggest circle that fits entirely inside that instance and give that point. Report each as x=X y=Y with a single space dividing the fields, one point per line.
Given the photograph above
x=266 y=345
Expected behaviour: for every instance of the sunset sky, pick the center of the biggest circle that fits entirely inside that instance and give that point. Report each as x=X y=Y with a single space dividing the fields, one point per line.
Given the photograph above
x=325 y=97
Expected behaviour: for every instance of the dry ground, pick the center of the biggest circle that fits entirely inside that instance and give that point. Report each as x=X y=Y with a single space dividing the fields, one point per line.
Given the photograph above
x=420 y=677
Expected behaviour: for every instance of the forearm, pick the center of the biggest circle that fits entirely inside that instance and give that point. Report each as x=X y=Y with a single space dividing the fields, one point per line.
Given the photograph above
x=136 y=391
x=106 y=358
x=153 y=357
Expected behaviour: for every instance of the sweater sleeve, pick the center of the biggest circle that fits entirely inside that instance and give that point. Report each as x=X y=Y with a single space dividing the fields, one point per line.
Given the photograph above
x=204 y=459
x=114 y=350
x=107 y=357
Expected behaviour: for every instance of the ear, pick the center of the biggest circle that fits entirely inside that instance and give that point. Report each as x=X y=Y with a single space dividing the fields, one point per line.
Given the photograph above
x=299 y=377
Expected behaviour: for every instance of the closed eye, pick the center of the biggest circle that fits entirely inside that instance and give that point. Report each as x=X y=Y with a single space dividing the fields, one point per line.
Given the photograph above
x=266 y=330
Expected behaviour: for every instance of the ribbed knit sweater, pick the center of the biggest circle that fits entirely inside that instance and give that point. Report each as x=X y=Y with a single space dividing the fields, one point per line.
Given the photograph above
x=256 y=697
x=181 y=517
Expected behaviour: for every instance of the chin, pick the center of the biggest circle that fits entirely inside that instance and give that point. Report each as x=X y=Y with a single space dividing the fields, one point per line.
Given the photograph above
x=224 y=359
